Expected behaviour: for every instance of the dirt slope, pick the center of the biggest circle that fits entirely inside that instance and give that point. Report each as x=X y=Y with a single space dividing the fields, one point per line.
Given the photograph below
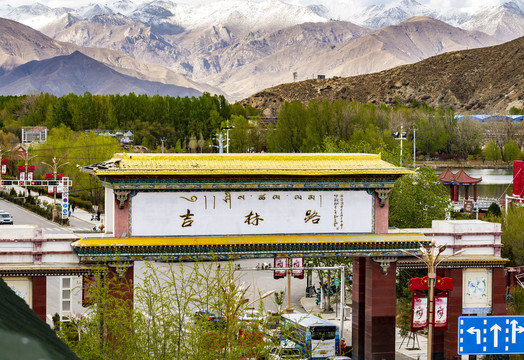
x=485 y=80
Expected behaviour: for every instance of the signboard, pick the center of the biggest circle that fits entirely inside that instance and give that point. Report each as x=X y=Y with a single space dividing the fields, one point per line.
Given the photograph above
x=251 y=213
x=484 y=335
x=476 y=291
x=468 y=206
x=65 y=199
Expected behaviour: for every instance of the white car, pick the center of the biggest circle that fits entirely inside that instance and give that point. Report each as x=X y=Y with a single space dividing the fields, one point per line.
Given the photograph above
x=6 y=218
x=285 y=353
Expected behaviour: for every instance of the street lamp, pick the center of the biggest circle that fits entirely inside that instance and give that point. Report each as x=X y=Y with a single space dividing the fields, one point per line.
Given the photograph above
x=55 y=167
x=26 y=159
x=430 y=256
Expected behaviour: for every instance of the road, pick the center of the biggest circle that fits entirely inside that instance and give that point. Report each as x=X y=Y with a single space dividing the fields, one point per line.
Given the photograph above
x=22 y=216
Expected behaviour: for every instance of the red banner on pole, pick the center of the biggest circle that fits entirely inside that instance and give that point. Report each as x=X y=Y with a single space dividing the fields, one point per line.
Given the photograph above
x=299 y=274
x=441 y=310
x=419 y=311
x=279 y=263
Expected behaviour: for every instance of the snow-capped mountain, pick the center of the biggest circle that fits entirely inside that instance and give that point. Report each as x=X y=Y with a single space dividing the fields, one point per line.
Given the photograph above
x=243 y=46
x=503 y=22
x=379 y=16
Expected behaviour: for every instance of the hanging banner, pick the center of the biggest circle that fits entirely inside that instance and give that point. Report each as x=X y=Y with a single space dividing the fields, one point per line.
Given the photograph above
x=419 y=311
x=279 y=263
x=441 y=310
x=4 y=167
x=298 y=262
x=22 y=177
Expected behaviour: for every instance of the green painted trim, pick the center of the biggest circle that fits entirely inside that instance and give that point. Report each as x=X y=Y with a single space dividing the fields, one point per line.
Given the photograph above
x=249 y=184
x=189 y=253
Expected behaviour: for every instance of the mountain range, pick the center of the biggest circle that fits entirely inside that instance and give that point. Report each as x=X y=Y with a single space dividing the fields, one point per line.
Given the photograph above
x=239 y=47
x=77 y=73
x=475 y=81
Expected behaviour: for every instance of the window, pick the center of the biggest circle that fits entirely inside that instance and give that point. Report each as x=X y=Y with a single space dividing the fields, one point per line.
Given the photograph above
x=65 y=297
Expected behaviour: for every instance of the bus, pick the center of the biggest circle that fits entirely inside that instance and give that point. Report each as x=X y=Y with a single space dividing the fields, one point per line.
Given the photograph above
x=315 y=337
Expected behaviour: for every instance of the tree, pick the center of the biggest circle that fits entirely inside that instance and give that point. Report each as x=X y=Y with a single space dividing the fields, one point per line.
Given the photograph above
x=513 y=237
x=180 y=312
x=418 y=199
x=511 y=151
x=492 y=151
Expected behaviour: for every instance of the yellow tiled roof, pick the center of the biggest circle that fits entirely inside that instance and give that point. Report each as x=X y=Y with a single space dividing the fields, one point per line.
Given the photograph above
x=249 y=239
x=245 y=164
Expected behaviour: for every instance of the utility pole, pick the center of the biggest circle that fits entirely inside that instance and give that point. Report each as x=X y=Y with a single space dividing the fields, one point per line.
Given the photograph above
x=227 y=128
x=26 y=159
x=163 y=140
x=414 y=147
x=400 y=136
x=55 y=167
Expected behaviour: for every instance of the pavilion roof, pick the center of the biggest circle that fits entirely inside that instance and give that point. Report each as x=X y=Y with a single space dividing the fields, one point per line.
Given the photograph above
x=245 y=164
x=459 y=178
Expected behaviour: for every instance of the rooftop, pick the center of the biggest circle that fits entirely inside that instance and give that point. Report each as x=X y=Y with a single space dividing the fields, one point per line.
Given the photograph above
x=245 y=164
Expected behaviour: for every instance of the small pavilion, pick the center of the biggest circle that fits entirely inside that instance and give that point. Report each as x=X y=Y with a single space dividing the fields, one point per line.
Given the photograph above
x=461 y=178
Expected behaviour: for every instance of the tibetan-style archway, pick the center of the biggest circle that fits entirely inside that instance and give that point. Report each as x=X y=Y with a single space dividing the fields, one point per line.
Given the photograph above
x=188 y=206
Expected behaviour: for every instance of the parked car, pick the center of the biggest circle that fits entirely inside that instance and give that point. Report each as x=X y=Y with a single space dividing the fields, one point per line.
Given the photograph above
x=286 y=350
x=285 y=353
x=6 y=218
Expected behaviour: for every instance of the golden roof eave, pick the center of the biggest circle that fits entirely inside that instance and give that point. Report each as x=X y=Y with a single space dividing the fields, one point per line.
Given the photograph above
x=245 y=164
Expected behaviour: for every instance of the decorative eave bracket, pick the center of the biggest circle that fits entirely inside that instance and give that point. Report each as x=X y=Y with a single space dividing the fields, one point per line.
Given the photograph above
x=382 y=195
x=122 y=196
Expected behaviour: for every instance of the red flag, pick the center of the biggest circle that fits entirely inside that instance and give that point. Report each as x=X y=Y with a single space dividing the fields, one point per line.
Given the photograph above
x=444 y=283
x=418 y=283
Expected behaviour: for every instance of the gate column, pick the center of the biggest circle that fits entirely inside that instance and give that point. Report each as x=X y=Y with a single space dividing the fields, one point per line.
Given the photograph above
x=454 y=311
x=358 y=308
x=380 y=309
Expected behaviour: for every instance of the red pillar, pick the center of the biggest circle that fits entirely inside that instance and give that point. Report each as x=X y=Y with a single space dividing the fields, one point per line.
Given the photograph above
x=121 y=282
x=381 y=215
x=475 y=192
x=121 y=218
x=455 y=193
x=39 y=285
x=451 y=195
x=380 y=311
x=358 y=308
x=454 y=311
x=466 y=192
x=498 y=292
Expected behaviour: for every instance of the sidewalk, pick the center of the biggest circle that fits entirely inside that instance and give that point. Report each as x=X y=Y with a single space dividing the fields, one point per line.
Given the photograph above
x=404 y=350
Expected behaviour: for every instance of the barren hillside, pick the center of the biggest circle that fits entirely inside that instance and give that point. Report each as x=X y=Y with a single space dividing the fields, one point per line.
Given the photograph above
x=485 y=80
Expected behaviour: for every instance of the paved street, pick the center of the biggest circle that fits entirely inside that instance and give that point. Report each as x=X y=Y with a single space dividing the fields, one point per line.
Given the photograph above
x=80 y=221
